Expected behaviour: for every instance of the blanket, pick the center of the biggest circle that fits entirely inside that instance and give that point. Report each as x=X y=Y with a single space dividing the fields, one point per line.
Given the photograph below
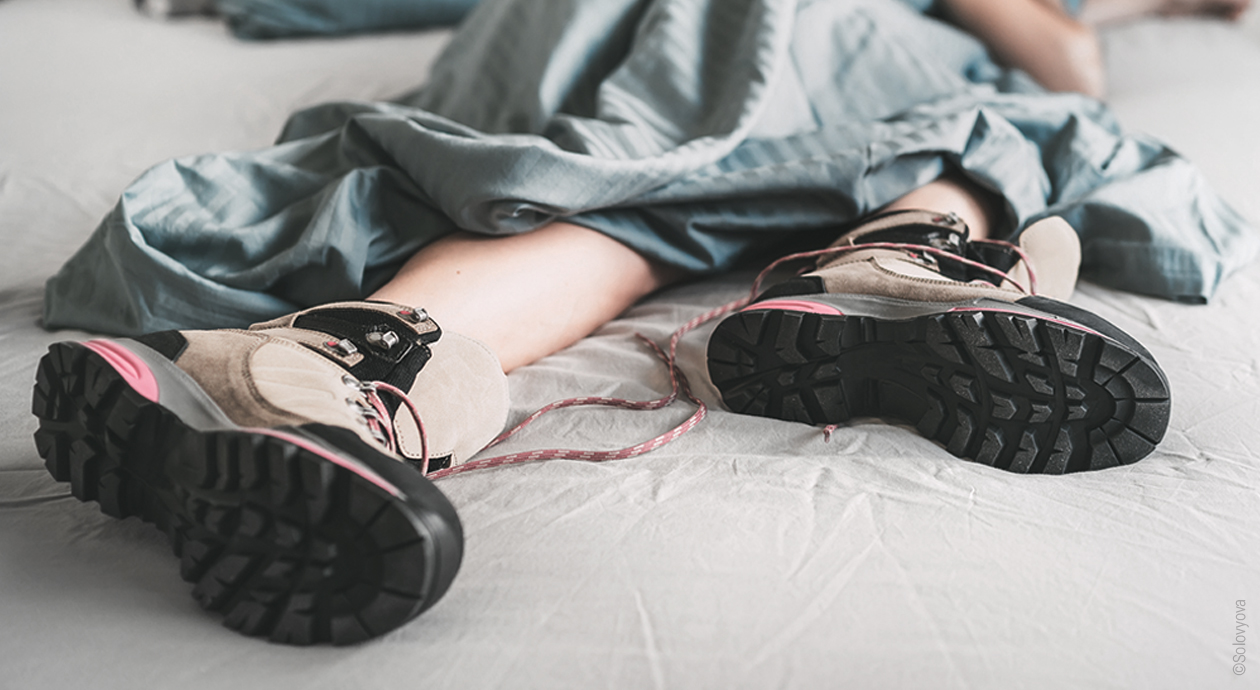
x=697 y=132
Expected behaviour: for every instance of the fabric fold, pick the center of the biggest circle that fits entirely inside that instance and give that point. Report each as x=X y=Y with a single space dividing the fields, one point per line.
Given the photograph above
x=697 y=132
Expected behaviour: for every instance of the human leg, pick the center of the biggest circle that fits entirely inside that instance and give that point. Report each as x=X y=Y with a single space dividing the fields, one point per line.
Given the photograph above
x=954 y=194
x=906 y=317
x=1052 y=258
x=276 y=457
x=1099 y=12
x=1038 y=37
x=272 y=459
x=526 y=296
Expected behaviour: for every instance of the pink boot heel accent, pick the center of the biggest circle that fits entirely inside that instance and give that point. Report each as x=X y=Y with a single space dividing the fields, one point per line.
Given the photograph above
x=128 y=365
x=796 y=305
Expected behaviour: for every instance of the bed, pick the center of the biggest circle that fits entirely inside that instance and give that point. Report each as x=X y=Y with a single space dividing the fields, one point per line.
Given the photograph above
x=748 y=553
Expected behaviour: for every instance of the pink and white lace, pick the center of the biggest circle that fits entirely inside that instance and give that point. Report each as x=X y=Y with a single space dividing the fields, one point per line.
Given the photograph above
x=678 y=380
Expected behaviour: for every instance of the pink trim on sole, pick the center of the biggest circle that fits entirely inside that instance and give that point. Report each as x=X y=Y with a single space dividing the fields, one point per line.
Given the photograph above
x=1051 y=319
x=128 y=365
x=796 y=305
x=335 y=459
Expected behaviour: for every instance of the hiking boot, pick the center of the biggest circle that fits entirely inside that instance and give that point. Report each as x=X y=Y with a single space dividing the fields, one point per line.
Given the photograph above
x=463 y=402
x=906 y=319
x=269 y=458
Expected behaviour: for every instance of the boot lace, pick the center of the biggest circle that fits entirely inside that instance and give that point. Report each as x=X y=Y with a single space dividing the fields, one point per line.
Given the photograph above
x=832 y=252
x=379 y=422
x=375 y=414
x=678 y=384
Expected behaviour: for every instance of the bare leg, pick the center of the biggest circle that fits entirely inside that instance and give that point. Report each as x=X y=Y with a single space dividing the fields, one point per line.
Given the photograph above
x=1097 y=12
x=1037 y=36
x=975 y=206
x=526 y=296
x=1055 y=257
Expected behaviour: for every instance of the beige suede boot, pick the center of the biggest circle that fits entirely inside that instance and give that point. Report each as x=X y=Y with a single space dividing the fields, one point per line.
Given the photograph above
x=463 y=401
x=272 y=459
x=905 y=318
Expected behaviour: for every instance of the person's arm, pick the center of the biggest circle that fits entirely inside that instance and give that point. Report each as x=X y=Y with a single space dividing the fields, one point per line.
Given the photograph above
x=1099 y=12
x=1038 y=37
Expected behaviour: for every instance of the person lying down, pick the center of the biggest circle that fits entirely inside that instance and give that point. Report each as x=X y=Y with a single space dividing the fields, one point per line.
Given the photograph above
x=280 y=395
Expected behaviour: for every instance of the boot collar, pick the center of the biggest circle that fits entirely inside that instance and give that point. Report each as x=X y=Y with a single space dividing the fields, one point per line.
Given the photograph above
x=373 y=341
x=941 y=235
x=946 y=232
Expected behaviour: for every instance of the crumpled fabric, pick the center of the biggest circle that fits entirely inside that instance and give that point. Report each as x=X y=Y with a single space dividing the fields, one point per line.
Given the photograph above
x=698 y=132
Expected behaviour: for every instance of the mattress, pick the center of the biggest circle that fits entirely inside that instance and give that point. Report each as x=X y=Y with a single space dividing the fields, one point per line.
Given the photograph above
x=748 y=553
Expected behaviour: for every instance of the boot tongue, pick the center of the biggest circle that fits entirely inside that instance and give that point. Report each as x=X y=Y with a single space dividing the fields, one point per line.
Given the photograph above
x=943 y=233
x=394 y=348
x=921 y=234
x=915 y=229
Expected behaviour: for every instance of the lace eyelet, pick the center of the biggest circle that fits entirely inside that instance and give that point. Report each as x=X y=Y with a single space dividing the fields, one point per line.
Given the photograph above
x=343 y=347
x=414 y=315
x=382 y=340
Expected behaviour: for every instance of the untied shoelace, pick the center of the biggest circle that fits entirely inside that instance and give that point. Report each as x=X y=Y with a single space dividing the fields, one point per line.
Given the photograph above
x=678 y=380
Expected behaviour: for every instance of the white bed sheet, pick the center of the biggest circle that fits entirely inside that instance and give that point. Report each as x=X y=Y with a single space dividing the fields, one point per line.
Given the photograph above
x=750 y=553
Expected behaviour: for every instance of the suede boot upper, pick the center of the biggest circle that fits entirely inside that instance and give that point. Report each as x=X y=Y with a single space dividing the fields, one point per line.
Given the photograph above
x=902 y=272
x=318 y=365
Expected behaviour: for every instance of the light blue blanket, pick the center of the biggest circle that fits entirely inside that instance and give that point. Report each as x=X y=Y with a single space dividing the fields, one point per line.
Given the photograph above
x=696 y=131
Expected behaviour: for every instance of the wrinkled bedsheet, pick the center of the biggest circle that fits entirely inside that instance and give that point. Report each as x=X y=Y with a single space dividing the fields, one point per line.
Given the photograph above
x=749 y=553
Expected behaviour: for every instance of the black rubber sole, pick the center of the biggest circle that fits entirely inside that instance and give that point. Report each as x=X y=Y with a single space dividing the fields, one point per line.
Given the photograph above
x=279 y=540
x=1011 y=390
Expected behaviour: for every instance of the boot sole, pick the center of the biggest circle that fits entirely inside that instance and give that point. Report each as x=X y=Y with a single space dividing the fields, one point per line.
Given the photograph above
x=291 y=534
x=1009 y=386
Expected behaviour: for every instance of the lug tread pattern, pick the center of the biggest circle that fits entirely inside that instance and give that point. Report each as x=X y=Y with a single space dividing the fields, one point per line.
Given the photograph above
x=1010 y=390
x=281 y=542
